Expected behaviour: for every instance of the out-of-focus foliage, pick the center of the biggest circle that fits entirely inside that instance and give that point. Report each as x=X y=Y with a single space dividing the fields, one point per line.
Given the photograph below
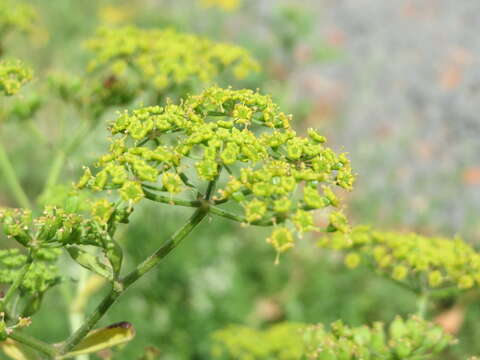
x=228 y=5
x=164 y=58
x=16 y=16
x=412 y=338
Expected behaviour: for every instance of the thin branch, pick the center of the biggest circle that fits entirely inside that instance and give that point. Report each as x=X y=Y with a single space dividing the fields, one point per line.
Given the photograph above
x=62 y=154
x=34 y=343
x=12 y=180
x=166 y=199
x=232 y=216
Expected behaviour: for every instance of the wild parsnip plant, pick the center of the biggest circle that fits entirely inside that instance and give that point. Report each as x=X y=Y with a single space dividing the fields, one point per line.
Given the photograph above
x=227 y=153
x=224 y=153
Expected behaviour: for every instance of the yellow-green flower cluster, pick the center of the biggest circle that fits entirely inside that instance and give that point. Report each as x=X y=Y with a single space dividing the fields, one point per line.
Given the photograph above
x=418 y=261
x=275 y=176
x=65 y=228
x=165 y=58
x=56 y=226
x=412 y=338
x=42 y=275
x=16 y=16
x=13 y=75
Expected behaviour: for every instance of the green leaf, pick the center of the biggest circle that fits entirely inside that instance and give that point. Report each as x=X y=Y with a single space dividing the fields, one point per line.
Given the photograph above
x=104 y=338
x=90 y=262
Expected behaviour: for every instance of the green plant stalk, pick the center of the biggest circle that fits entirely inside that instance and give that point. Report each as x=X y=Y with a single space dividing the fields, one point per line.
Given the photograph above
x=55 y=170
x=77 y=314
x=36 y=132
x=119 y=287
x=422 y=305
x=170 y=200
x=12 y=181
x=61 y=157
x=231 y=216
x=34 y=343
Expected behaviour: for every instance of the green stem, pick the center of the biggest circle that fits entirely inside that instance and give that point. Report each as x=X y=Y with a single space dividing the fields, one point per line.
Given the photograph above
x=18 y=281
x=166 y=248
x=77 y=313
x=34 y=343
x=61 y=157
x=120 y=287
x=170 y=200
x=90 y=322
x=228 y=215
x=55 y=170
x=422 y=305
x=36 y=132
x=12 y=181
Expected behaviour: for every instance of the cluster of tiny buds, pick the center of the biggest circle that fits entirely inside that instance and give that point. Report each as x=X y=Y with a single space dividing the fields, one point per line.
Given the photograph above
x=238 y=139
x=45 y=236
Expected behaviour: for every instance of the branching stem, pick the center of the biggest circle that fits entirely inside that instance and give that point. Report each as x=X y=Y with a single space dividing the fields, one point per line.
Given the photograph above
x=121 y=286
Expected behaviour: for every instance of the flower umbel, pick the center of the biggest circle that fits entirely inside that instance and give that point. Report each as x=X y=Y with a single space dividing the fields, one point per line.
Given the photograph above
x=238 y=139
x=411 y=258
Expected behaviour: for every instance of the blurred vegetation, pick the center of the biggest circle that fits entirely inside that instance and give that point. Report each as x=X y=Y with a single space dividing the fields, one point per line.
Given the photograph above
x=226 y=275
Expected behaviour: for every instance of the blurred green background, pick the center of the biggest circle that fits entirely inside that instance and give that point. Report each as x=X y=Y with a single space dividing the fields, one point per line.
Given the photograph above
x=395 y=84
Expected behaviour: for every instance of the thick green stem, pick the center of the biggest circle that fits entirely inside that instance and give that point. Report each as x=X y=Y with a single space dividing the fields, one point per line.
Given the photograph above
x=120 y=287
x=166 y=248
x=34 y=343
x=91 y=321
x=8 y=173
